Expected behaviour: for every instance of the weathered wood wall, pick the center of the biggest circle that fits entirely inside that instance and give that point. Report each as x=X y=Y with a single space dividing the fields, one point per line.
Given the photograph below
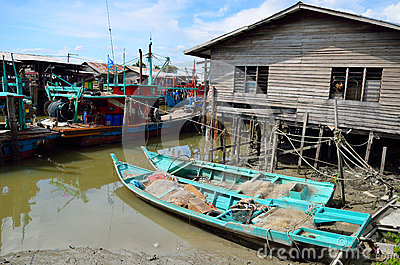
x=301 y=50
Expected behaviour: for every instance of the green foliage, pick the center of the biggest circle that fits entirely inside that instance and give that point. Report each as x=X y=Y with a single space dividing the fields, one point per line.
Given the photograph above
x=138 y=64
x=170 y=69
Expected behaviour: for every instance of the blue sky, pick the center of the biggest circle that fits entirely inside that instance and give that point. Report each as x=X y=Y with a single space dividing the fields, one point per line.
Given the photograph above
x=56 y=27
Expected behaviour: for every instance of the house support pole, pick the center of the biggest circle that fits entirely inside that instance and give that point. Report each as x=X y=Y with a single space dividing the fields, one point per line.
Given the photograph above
x=368 y=151
x=339 y=155
x=303 y=134
x=318 y=151
x=383 y=160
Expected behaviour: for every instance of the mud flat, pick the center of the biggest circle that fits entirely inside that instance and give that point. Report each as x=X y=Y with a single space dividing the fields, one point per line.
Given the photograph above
x=89 y=256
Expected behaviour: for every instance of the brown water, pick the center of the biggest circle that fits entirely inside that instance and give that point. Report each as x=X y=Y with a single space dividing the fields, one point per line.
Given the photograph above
x=71 y=197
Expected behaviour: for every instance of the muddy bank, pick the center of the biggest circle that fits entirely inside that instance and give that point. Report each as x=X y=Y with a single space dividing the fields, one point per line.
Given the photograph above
x=89 y=256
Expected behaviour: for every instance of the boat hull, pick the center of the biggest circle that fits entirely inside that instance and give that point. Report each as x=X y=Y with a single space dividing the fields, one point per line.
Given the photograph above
x=249 y=233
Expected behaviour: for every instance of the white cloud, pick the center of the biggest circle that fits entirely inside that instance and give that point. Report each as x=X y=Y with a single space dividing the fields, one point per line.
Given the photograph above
x=392 y=12
x=79 y=48
x=203 y=30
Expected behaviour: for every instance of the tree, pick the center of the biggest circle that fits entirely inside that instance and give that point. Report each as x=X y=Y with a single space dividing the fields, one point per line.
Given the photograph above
x=138 y=64
x=170 y=69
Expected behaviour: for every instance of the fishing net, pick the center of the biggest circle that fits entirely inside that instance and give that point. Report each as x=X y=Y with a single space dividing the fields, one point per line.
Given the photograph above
x=186 y=196
x=265 y=189
x=160 y=187
x=285 y=220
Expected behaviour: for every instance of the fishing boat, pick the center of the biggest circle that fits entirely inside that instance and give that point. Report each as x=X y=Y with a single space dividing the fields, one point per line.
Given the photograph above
x=258 y=221
x=235 y=177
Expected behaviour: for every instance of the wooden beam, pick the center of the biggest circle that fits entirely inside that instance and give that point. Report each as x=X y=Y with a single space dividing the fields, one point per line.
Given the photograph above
x=303 y=134
x=345 y=83
x=239 y=139
x=292 y=151
x=274 y=153
x=368 y=151
x=363 y=84
x=339 y=155
x=384 y=150
x=318 y=151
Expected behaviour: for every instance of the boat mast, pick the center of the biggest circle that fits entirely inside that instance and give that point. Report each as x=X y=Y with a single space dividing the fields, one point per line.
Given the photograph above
x=150 y=80
x=124 y=71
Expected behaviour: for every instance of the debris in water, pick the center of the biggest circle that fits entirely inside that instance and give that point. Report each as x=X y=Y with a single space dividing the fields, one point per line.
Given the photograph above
x=155 y=244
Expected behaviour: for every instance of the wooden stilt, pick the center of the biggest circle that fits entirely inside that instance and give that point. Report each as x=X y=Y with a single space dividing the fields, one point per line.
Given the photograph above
x=223 y=144
x=368 y=151
x=233 y=134
x=212 y=117
x=339 y=155
x=239 y=140
x=272 y=165
x=267 y=144
x=303 y=134
x=383 y=160
x=12 y=120
x=318 y=151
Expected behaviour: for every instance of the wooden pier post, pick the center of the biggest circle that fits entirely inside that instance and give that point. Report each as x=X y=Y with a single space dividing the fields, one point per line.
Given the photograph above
x=12 y=120
x=204 y=107
x=239 y=139
x=318 y=151
x=212 y=121
x=235 y=122
x=339 y=155
x=383 y=160
x=223 y=144
x=303 y=134
x=368 y=151
x=274 y=150
x=266 y=140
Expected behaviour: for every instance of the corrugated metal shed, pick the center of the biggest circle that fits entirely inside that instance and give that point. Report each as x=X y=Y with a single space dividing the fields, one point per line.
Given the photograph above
x=21 y=57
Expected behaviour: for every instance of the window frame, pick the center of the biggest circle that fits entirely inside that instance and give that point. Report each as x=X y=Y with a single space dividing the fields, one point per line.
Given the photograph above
x=243 y=87
x=363 y=83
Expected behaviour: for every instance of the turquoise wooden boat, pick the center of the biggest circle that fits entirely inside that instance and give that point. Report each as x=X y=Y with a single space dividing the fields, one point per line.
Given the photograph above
x=226 y=221
x=307 y=190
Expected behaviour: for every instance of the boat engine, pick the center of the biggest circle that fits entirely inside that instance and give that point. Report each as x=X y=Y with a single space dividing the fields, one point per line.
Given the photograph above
x=63 y=111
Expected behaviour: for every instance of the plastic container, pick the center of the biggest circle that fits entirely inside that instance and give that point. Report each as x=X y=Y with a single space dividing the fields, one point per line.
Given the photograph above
x=116 y=120
x=108 y=120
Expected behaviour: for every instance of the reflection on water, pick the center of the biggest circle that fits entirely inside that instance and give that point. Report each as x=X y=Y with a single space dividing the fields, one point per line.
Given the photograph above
x=72 y=197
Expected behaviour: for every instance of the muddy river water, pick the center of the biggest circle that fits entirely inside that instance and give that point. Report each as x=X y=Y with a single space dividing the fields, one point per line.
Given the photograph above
x=70 y=197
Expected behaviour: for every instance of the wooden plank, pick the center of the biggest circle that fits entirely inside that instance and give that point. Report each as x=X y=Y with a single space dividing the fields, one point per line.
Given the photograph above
x=318 y=151
x=303 y=134
x=272 y=164
x=383 y=159
x=368 y=150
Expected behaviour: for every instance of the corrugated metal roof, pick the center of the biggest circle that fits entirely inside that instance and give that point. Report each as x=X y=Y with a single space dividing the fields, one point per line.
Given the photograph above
x=21 y=57
x=203 y=50
x=101 y=68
